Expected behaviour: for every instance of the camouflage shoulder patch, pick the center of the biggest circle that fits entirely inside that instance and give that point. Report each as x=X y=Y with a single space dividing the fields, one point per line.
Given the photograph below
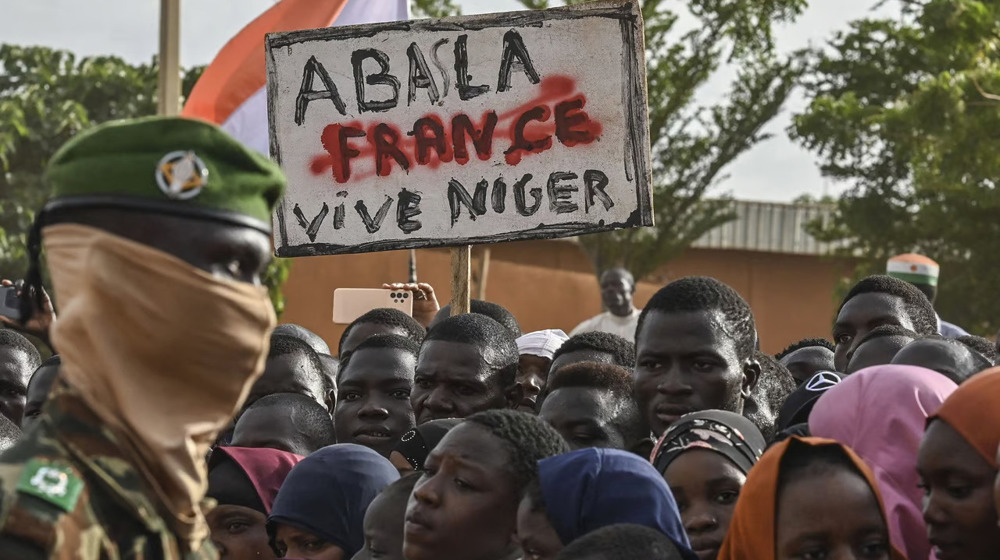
x=51 y=481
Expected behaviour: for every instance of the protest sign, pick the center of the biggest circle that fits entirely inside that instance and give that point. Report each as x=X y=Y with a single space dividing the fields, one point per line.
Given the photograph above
x=457 y=131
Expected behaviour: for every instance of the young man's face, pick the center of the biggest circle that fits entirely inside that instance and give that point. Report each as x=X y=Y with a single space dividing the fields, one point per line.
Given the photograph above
x=584 y=417
x=685 y=362
x=374 y=405
x=465 y=505
x=861 y=315
x=532 y=375
x=807 y=362
x=15 y=372
x=453 y=381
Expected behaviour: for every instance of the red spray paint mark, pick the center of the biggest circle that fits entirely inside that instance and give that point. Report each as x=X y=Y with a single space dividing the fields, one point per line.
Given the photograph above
x=526 y=129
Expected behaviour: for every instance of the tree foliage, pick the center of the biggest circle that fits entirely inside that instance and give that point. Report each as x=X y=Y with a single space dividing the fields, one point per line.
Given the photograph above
x=902 y=110
x=46 y=97
x=693 y=142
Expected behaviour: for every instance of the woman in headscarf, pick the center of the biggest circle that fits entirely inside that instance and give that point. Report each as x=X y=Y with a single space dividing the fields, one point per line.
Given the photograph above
x=244 y=482
x=584 y=490
x=415 y=445
x=809 y=498
x=319 y=512
x=957 y=464
x=880 y=412
x=704 y=458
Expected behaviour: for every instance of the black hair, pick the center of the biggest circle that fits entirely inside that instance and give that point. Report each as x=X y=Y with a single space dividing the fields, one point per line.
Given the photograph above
x=918 y=308
x=527 y=439
x=978 y=361
x=401 y=488
x=494 y=311
x=381 y=342
x=15 y=340
x=496 y=345
x=283 y=345
x=314 y=340
x=806 y=343
x=884 y=331
x=392 y=318
x=621 y=542
x=9 y=433
x=802 y=458
x=983 y=346
x=701 y=293
x=53 y=360
x=773 y=387
x=616 y=380
x=622 y=351
x=312 y=421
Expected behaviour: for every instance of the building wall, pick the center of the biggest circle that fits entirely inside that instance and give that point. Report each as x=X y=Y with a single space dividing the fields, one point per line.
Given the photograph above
x=551 y=284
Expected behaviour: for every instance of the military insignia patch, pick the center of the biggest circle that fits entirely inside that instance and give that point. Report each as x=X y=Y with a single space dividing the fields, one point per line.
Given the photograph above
x=52 y=482
x=181 y=175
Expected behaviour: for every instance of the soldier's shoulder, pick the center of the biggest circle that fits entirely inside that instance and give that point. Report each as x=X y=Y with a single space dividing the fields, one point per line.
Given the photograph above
x=43 y=501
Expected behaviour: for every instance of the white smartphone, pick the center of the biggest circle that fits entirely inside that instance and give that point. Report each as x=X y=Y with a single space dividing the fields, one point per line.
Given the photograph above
x=351 y=303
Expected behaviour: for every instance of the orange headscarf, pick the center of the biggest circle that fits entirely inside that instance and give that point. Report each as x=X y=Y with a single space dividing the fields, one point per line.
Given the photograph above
x=752 y=530
x=972 y=411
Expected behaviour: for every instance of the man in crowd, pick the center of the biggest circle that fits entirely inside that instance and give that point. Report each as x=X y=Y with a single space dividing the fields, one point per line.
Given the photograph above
x=923 y=273
x=375 y=385
x=807 y=357
x=38 y=390
x=695 y=347
x=601 y=347
x=379 y=321
x=877 y=301
x=536 y=351
x=286 y=421
x=467 y=364
x=621 y=317
x=591 y=405
x=156 y=240
x=291 y=367
x=18 y=359
x=494 y=311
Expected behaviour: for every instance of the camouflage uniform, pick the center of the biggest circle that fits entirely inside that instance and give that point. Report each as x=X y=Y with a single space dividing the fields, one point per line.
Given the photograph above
x=70 y=492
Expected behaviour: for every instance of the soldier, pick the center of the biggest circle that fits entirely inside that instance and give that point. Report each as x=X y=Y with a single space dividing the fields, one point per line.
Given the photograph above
x=156 y=240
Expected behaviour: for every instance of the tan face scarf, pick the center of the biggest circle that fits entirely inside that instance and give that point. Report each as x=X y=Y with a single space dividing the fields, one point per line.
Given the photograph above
x=163 y=352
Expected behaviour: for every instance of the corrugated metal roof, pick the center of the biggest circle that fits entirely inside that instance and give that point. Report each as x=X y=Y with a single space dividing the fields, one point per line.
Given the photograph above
x=770 y=227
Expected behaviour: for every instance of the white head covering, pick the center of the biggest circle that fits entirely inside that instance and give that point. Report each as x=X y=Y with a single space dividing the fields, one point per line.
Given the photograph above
x=541 y=343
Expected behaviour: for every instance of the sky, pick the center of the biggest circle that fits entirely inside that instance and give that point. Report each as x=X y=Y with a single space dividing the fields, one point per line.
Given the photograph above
x=776 y=170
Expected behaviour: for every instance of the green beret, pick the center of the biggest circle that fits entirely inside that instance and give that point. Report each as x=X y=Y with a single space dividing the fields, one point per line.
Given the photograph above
x=166 y=164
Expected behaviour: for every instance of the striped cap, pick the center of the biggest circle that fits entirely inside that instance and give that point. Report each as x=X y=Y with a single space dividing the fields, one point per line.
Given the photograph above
x=914 y=268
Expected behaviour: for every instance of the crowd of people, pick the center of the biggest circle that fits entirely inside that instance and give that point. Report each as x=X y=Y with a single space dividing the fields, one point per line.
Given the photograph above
x=175 y=421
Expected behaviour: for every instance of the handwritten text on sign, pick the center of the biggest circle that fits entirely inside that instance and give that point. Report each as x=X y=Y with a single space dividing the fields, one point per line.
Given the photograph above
x=465 y=130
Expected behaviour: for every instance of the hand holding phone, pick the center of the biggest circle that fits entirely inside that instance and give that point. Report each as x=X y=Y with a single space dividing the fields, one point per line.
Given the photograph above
x=10 y=302
x=351 y=303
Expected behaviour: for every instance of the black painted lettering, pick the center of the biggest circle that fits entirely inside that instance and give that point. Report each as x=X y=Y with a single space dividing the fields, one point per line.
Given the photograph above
x=594 y=182
x=465 y=91
x=408 y=207
x=561 y=194
x=380 y=78
x=428 y=134
x=458 y=196
x=307 y=94
x=387 y=146
x=536 y=193
x=499 y=196
x=373 y=224
x=462 y=128
x=339 y=212
x=420 y=76
x=513 y=48
x=311 y=226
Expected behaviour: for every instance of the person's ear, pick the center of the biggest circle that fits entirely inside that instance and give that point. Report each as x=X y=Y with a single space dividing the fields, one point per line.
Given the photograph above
x=331 y=400
x=751 y=375
x=514 y=395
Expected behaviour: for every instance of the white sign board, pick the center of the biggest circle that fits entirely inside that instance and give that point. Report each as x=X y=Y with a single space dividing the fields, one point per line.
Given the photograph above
x=458 y=131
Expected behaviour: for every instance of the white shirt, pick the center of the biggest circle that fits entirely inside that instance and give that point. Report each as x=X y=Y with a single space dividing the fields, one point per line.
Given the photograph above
x=611 y=323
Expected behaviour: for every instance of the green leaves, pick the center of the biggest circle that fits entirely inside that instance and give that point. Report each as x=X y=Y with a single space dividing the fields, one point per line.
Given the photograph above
x=895 y=110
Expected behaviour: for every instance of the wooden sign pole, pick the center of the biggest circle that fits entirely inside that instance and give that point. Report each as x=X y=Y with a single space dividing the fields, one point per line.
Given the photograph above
x=461 y=270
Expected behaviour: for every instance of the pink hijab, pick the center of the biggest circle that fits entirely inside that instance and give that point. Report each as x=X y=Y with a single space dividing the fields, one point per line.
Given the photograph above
x=880 y=412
